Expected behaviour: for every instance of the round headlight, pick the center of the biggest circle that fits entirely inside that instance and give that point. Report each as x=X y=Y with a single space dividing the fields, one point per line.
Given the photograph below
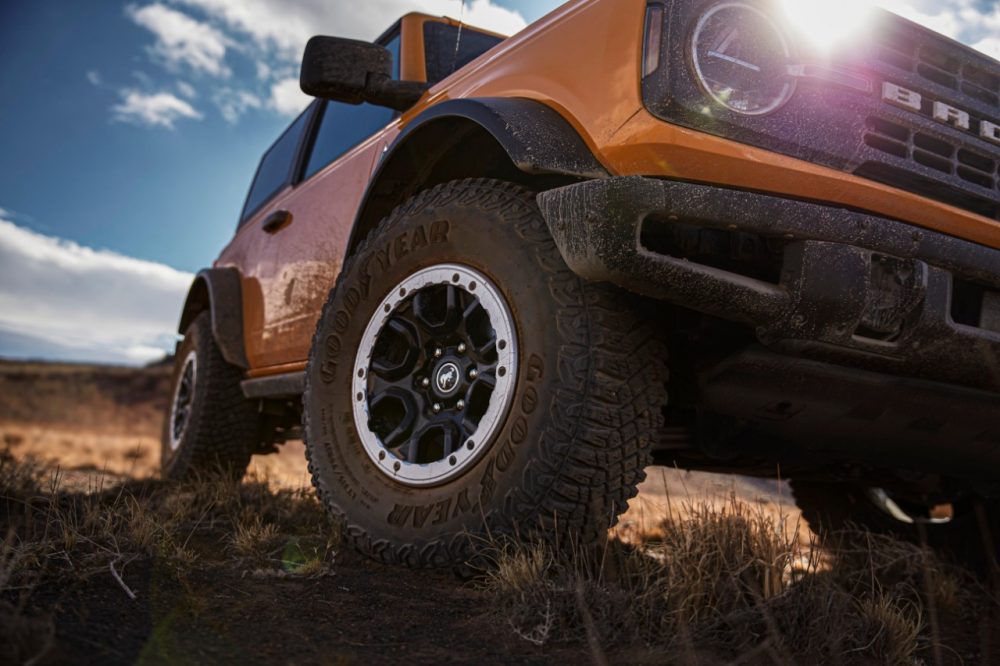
x=740 y=57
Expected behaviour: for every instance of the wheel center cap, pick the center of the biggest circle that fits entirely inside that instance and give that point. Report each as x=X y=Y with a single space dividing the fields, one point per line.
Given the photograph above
x=447 y=378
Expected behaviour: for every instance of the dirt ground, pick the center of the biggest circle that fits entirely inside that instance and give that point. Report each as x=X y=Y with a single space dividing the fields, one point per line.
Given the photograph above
x=100 y=426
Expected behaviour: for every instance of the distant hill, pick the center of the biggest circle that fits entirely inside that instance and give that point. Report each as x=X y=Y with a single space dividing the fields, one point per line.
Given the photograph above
x=108 y=399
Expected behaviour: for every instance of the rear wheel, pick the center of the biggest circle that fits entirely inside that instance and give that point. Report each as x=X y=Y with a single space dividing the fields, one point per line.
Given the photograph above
x=464 y=381
x=210 y=426
x=968 y=536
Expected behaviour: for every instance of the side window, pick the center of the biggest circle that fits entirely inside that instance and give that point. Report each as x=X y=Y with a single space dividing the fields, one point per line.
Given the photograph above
x=448 y=49
x=344 y=126
x=275 y=170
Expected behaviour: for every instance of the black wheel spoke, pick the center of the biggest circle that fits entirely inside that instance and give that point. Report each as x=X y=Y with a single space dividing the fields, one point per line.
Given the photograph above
x=398 y=354
x=448 y=432
x=486 y=347
x=487 y=381
x=393 y=415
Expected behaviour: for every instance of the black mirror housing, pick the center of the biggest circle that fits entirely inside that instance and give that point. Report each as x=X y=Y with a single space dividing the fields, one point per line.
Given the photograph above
x=352 y=71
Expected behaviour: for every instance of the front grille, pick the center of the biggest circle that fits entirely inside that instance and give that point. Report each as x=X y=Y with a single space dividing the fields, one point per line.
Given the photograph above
x=855 y=131
x=939 y=65
x=936 y=154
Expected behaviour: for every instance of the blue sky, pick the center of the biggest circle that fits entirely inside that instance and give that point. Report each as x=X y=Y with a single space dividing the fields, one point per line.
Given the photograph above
x=131 y=129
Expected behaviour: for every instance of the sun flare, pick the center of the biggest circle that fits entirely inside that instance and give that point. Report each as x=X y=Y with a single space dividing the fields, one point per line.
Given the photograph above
x=829 y=23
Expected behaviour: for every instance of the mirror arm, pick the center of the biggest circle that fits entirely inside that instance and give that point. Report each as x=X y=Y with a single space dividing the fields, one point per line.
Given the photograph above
x=398 y=95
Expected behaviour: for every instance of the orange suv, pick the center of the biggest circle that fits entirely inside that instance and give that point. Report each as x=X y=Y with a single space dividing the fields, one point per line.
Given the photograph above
x=491 y=280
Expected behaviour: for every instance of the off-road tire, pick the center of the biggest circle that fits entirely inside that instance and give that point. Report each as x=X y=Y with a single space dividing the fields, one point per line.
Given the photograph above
x=834 y=509
x=588 y=401
x=223 y=426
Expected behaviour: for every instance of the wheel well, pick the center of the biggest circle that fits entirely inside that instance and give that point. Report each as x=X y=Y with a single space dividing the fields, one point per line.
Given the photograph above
x=446 y=149
x=198 y=301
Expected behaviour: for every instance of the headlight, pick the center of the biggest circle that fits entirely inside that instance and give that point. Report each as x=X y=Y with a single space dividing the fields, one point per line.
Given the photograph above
x=740 y=57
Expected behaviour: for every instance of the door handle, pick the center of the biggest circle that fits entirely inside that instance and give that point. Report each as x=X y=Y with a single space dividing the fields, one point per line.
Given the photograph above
x=276 y=221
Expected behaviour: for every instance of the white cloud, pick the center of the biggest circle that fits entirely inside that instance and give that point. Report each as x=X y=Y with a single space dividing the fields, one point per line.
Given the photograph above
x=58 y=298
x=972 y=22
x=990 y=46
x=186 y=89
x=181 y=40
x=287 y=24
x=287 y=97
x=160 y=109
x=234 y=103
x=94 y=77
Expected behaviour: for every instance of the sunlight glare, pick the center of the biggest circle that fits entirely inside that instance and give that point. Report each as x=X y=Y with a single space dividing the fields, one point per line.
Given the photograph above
x=829 y=23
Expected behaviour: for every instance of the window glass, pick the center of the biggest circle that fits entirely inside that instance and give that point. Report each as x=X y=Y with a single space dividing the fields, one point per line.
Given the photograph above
x=344 y=126
x=393 y=46
x=275 y=168
x=442 y=56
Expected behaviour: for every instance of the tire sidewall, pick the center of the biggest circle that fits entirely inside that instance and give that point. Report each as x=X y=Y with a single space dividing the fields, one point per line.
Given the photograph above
x=536 y=286
x=177 y=463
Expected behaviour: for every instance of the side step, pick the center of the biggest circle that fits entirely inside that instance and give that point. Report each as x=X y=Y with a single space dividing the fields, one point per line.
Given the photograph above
x=285 y=386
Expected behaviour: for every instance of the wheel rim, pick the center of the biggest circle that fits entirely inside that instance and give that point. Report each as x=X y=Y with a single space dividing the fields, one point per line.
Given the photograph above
x=434 y=375
x=180 y=408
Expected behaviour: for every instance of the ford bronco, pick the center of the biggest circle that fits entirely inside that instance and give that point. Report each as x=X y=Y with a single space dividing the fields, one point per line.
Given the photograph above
x=489 y=281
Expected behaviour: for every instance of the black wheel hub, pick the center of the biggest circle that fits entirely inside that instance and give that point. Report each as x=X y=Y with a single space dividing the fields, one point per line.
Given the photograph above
x=433 y=372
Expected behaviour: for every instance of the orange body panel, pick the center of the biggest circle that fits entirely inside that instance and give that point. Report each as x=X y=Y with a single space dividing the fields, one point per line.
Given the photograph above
x=286 y=276
x=583 y=60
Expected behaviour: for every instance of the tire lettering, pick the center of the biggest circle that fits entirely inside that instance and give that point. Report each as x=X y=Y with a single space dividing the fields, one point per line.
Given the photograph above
x=462 y=503
x=352 y=298
x=382 y=257
x=439 y=231
x=399 y=515
x=400 y=247
x=507 y=450
x=419 y=239
x=328 y=370
x=536 y=369
x=529 y=402
x=439 y=513
x=421 y=514
x=340 y=321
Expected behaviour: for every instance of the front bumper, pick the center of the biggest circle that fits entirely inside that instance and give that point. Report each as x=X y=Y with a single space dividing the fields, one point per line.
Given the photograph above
x=854 y=289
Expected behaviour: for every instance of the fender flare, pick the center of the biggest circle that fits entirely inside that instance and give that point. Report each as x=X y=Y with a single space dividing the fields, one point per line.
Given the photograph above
x=219 y=290
x=536 y=138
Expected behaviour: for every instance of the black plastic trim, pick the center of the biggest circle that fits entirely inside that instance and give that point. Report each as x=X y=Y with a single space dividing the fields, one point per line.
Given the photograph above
x=842 y=273
x=219 y=290
x=537 y=139
x=287 y=385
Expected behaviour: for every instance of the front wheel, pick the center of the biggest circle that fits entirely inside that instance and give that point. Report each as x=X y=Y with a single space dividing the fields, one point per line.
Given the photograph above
x=463 y=381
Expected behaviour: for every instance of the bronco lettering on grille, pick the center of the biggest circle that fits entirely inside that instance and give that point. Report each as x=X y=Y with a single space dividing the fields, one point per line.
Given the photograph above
x=941 y=112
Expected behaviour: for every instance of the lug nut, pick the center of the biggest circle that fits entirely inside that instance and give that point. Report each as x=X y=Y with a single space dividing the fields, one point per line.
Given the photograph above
x=438 y=353
x=436 y=407
x=473 y=373
x=425 y=382
x=460 y=405
x=461 y=348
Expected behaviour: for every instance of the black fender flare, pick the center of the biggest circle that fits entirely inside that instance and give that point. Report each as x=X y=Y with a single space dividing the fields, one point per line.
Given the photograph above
x=536 y=137
x=219 y=291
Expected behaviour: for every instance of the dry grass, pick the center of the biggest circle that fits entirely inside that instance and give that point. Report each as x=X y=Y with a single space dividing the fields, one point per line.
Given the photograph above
x=732 y=584
x=56 y=536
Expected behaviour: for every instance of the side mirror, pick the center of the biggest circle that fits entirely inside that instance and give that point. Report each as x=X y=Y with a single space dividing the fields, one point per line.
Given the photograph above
x=351 y=71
